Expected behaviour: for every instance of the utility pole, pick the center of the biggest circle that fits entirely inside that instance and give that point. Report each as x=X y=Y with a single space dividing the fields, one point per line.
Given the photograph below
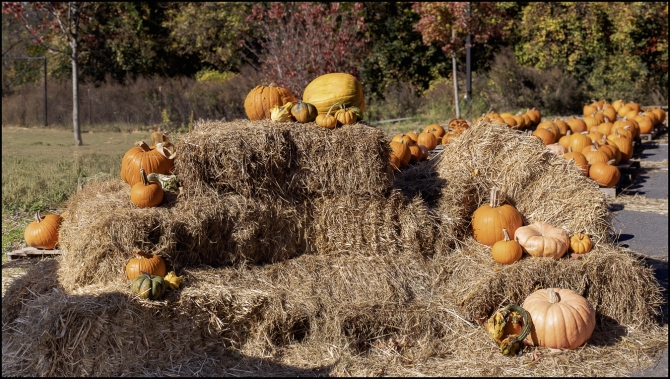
x=468 y=73
x=453 y=63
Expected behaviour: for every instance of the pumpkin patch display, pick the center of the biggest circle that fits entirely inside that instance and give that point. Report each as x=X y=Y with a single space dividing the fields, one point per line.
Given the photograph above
x=150 y=287
x=261 y=99
x=150 y=263
x=159 y=160
x=562 y=319
x=541 y=239
x=334 y=88
x=42 y=233
x=489 y=220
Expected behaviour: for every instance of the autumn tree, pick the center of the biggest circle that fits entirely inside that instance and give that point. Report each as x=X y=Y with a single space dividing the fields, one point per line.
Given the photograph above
x=304 y=40
x=55 y=26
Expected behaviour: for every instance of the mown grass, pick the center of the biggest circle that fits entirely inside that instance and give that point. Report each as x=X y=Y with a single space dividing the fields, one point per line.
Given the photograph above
x=41 y=168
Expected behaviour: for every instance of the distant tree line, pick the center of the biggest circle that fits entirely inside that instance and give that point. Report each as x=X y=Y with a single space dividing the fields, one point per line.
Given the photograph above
x=609 y=48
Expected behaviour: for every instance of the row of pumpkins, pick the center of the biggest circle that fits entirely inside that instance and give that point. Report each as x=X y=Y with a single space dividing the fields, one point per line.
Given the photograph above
x=318 y=100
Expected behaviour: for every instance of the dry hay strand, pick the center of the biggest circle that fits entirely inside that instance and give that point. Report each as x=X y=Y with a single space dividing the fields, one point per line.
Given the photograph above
x=541 y=185
x=617 y=283
x=642 y=204
x=312 y=314
x=27 y=287
x=289 y=161
x=370 y=226
x=103 y=227
x=420 y=179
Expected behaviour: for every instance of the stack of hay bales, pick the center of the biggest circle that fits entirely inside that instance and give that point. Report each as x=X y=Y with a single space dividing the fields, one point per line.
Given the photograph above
x=291 y=235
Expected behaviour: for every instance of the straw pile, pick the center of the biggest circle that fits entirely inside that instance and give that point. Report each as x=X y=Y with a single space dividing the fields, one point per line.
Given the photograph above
x=289 y=257
x=541 y=185
x=285 y=161
x=229 y=230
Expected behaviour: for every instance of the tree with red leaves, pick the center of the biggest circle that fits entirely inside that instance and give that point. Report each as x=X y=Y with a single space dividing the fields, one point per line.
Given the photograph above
x=305 y=40
x=55 y=26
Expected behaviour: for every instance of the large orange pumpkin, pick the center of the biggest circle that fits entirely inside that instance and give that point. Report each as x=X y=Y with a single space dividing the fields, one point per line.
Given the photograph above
x=489 y=220
x=159 y=160
x=337 y=87
x=261 y=99
x=146 y=194
x=561 y=318
x=43 y=232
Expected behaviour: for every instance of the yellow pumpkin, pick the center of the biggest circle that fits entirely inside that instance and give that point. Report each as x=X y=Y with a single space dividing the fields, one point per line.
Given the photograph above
x=333 y=88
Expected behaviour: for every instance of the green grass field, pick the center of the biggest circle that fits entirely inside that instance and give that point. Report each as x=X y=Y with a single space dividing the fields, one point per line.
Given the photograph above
x=41 y=168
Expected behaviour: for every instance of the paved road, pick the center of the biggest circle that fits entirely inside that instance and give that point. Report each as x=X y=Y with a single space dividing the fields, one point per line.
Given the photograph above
x=647 y=233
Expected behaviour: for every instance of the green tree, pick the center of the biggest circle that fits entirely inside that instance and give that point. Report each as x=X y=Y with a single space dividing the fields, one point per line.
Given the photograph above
x=396 y=51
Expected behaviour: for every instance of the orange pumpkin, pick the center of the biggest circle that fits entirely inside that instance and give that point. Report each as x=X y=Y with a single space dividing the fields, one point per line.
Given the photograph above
x=261 y=99
x=146 y=193
x=605 y=174
x=427 y=139
x=150 y=263
x=159 y=160
x=506 y=251
x=580 y=243
x=489 y=220
x=43 y=232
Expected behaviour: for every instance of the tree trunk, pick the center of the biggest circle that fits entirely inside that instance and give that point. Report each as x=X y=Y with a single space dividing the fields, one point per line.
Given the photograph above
x=75 y=79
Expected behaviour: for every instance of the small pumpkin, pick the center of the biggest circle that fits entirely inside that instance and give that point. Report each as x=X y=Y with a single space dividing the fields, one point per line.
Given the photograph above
x=150 y=263
x=578 y=159
x=346 y=116
x=436 y=129
x=327 y=120
x=413 y=136
x=43 y=232
x=535 y=116
x=415 y=153
x=458 y=125
x=489 y=220
x=173 y=280
x=546 y=136
x=150 y=287
x=541 y=239
x=509 y=327
x=577 y=125
x=580 y=243
x=427 y=139
x=506 y=251
x=304 y=112
x=146 y=194
x=395 y=161
x=281 y=113
x=402 y=151
x=261 y=99
x=605 y=174
x=562 y=319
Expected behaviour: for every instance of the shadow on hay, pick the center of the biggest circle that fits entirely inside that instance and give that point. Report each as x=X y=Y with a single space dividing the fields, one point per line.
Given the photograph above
x=108 y=332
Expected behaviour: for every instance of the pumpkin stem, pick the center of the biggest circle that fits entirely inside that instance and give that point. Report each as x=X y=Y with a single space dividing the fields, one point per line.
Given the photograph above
x=611 y=162
x=494 y=201
x=143 y=176
x=143 y=145
x=38 y=217
x=331 y=107
x=506 y=235
x=553 y=296
x=140 y=253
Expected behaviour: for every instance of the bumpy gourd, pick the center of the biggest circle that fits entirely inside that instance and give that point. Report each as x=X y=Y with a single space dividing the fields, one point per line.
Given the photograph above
x=150 y=287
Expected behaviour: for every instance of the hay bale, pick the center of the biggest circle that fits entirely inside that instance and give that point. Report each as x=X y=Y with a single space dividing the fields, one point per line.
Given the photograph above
x=376 y=311
x=287 y=161
x=210 y=229
x=541 y=185
x=617 y=283
x=370 y=226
